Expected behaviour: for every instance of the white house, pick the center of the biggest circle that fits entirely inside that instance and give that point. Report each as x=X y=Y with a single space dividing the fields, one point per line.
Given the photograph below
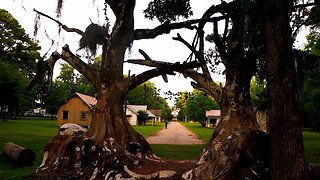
x=157 y=113
x=213 y=118
x=132 y=113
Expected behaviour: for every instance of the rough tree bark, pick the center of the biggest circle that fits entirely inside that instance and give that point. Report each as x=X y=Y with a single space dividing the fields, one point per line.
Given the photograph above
x=111 y=145
x=286 y=143
x=237 y=149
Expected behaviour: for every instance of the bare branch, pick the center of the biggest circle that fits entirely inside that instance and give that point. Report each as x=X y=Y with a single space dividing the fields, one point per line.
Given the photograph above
x=161 y=68
x=198 y=54
x=144 y=54
x=45 y=72
x=205 y=84
x=66 y=28
x=189 y=46
x=219 y=43
x=166 y=28
x=79 y=65
x=305 y=5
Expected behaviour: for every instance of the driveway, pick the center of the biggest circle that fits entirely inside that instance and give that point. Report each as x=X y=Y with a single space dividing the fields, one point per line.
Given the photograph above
x=174 y=134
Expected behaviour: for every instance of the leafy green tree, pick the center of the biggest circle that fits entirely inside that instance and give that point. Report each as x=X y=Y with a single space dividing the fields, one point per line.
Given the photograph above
x=142 y=117
x=18 y=56
x=310 y=98
x=13 y=94
x=180 y=104
x=310 y=94
x=258 y=92
x=147 y=94
x=166 y=113
x=16 y=47
x=197 y=104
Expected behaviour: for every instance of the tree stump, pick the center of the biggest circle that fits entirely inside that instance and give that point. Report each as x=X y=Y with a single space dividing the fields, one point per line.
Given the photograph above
x=19 y=154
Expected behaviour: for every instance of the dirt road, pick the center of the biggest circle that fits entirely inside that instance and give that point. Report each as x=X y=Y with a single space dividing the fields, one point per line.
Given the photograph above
x=174 y=134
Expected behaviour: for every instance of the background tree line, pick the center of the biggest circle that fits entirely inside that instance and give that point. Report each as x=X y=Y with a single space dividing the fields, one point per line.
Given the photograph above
x=18 y=57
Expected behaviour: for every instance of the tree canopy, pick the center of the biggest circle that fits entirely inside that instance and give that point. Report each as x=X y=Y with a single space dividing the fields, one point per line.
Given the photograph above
x=147 y=94
x=16 y=47
x=194 y=105
x=18 y=57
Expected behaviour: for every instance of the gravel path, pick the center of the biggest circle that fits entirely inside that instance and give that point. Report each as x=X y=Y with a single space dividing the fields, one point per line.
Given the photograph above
x=174 y=134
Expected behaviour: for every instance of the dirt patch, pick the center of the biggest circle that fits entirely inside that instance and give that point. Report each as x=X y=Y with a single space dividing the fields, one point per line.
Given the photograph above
x=148 y=166
x=174 y=134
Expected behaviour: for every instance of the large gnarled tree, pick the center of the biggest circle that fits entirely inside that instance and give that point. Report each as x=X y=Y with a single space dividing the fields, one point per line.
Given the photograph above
x=237 y=147
x=111 y=144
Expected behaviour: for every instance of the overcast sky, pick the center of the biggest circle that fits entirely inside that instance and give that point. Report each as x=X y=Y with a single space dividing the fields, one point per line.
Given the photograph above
x=80 y=15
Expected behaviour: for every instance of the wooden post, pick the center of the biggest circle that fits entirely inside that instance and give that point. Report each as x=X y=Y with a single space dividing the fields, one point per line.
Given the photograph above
x=19 y=154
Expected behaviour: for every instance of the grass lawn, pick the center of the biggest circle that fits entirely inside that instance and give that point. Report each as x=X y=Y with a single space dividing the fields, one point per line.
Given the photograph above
x=148 y=129
x=311 y=140
x=36 y=133
x=202 y=133
x=177 y=152
x=312 y=146
x=30 y=133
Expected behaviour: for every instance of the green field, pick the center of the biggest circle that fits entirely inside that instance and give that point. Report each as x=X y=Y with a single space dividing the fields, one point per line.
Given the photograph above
x=202 y=133
x=33 y=134
x=36 y=133
x=311 y=140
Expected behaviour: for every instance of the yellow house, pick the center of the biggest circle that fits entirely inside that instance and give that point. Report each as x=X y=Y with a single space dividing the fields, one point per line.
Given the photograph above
x=77 y=109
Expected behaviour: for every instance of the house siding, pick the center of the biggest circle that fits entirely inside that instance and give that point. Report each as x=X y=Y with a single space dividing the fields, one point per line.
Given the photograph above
x=132 y=117
x=74 y=106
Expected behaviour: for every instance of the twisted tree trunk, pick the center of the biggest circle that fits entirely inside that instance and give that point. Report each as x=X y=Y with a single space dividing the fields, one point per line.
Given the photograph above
x=237 y=148
x=109 y=146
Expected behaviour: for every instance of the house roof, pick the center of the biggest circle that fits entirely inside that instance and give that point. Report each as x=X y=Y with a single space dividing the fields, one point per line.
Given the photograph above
x=150 y=114
x=136 y=108
x=156 y=112
x=89 y=100
x=213 y=113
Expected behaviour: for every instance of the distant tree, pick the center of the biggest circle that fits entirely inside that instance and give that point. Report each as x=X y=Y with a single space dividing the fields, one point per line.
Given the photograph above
x=258 y=92
x=147 y=94
x=197 y=104
x=310 y=98
x=310 y=94
x=13 y=94
x=166 y=114
x=16 y=47
x=180 y=104
x=18 y=56
x=142 y=117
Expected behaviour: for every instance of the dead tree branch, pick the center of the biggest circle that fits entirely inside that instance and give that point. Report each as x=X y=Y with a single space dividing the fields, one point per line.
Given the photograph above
x=45 y=68
x=204 y=84
x=198 y=54
x=166 y=28
x=66 y=28
x=83 y=68
x=161 y=68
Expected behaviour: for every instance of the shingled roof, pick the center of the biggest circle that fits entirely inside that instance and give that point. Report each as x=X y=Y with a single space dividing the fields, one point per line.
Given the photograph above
x=213 y=113
x=89 y=100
